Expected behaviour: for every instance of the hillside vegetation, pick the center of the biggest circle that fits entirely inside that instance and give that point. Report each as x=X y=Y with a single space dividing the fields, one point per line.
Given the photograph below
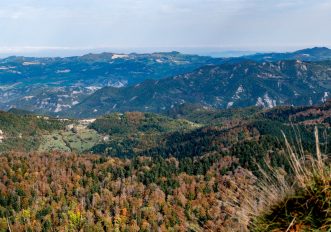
x=67 y=192
x=189 y=130
x=155 y=172
x=40 y=192
x=24 y=132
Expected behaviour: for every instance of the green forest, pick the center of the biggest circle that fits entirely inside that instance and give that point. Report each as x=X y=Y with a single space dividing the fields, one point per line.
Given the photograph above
x=144 y=171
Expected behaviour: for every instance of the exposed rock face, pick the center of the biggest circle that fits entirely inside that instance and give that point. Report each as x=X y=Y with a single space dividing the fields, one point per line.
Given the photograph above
x=2 y=136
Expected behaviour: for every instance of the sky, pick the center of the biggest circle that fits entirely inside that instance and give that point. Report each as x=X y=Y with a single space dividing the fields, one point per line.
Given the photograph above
x=46 y=27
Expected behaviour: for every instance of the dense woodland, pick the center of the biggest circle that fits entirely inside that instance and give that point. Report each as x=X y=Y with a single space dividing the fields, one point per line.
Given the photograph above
x=66 y=192
x=153 y=173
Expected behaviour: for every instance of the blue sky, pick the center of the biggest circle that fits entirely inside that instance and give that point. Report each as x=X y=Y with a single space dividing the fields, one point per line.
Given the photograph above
x=70 y=26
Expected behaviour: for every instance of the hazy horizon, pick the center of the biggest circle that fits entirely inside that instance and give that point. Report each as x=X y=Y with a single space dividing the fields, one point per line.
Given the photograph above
x=203 y=51
x=72 y=27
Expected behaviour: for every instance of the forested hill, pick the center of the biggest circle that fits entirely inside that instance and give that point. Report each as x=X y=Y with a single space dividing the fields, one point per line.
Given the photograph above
x=188 y=172
x=186 y=131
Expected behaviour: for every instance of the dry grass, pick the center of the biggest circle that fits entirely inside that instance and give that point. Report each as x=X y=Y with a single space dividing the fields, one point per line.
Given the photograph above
x=300 y=201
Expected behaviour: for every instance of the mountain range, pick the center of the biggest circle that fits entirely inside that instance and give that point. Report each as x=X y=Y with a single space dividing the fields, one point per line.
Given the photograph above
x=250 y=83
x=95 y=84
x=54 y=84
x=308 y=54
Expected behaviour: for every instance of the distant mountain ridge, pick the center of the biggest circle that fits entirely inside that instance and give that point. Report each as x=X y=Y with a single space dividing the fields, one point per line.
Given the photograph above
x=55 y=84
x=249 y=83
x=308 y=54
x=60 y=85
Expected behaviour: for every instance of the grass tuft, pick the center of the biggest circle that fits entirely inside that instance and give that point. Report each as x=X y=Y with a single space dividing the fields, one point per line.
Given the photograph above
x=299 y=201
